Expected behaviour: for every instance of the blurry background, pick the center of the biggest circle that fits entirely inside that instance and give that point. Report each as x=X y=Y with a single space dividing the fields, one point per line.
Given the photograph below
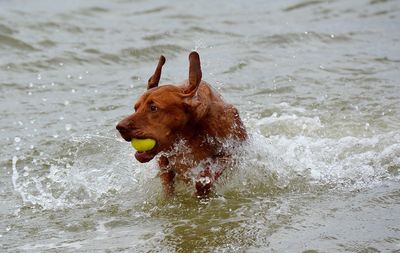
x=316 y=83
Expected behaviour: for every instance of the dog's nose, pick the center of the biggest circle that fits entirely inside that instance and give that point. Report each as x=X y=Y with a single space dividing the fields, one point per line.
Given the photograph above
x=122 y=128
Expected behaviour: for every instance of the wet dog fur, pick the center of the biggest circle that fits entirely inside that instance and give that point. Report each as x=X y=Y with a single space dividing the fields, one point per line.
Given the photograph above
x=190 y=113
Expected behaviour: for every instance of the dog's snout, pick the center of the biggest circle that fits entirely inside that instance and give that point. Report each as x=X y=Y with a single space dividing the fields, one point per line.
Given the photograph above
x=122 y=127
x=126 y=129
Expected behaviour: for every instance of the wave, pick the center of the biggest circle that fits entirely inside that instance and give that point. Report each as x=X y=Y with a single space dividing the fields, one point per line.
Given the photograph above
x=90 y=168
x=287 y=39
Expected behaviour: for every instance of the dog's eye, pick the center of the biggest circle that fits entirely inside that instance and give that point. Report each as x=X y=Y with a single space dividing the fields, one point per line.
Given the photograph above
x=153 y=108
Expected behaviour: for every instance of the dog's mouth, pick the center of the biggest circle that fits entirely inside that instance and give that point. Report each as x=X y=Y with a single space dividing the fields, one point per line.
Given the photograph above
x=148 y=155
x=145 y=156
x=141 y=156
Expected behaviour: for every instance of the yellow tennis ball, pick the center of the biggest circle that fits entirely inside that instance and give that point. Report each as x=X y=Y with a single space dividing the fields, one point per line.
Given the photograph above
x=142 y=145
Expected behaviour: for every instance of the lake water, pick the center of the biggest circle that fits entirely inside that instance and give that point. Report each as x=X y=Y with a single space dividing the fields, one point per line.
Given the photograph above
x=317 y=84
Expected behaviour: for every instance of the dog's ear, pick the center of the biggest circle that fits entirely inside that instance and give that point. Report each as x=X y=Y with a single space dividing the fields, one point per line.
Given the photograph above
x=193 y=103
x=194 y=73
x=155 y=78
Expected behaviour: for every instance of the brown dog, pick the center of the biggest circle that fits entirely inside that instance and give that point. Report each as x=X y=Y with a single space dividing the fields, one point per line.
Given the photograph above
x=191 y=125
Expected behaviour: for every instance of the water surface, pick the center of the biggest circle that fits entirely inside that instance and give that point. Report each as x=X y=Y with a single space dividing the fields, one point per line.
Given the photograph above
x=316 y=83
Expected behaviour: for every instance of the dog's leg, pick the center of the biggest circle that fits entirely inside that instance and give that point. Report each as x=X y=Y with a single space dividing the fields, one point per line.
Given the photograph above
x=167 y=181
x=207 y=177
x=204 y=182
x=167 y=176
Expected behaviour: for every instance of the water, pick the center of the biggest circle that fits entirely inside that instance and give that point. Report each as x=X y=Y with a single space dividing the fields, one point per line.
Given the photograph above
x=316 y=83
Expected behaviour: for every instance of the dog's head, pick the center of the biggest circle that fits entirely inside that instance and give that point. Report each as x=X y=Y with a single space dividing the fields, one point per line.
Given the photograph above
x=162 y=112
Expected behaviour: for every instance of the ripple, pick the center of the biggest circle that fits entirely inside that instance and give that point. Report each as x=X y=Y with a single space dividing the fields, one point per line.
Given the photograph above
x=8 y=41
x=152 y=10
x=235 y=68
x=148 y=53
x=202 y=30
x=184 y=17
x=385 y=60
x=6 y=30
x=306 y=37
x=69 y=58
x=47 y=43
x=387 y=199
x=54 y=26
x=95 y=9
x=157 y=36
x=302 y=5
x=372 y=2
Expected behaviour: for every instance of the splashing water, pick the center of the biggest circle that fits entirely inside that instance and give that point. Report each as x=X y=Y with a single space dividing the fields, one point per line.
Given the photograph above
x=82 y=175
x=79 y=176
x=316 y=83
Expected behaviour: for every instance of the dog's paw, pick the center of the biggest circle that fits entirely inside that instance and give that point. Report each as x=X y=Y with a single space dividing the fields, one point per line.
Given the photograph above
x=204 y=182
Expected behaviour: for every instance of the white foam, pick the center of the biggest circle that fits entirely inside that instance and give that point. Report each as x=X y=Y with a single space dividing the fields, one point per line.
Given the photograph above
x=352 y=161
x=91 y=167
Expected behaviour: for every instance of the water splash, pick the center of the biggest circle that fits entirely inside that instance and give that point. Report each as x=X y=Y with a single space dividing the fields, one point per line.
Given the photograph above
x=90 y=168
x=302 y=163
x=86 y=170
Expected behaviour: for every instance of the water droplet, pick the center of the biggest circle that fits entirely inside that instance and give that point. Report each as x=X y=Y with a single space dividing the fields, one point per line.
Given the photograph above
x=17 y=148
x=44 y=99
x=39 y=77
x=68 y=127
x=73 y=90
x=61 y=63
x=321 y=67
x=61 y=118
x=31 y=85
x=55 y=136
x=17 y=139
x=52 y=84
x=69 y=76
x=29 y=93
x=66 y=102
x=332 y=36
x=80 y=77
